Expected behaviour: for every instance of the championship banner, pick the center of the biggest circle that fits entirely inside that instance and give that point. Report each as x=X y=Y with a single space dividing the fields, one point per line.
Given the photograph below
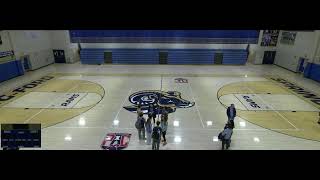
x=115 y=141
x=270 y=38
x=288 y=38
x=6 y=53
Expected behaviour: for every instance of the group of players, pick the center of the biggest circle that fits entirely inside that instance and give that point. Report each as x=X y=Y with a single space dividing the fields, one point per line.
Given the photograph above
x=158 y=129
x=155 y=130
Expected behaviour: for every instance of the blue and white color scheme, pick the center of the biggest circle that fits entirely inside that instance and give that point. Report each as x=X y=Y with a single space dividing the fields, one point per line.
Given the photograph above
x=175 y=56
x=6 y=53
x=171 y=100
x=165 y=36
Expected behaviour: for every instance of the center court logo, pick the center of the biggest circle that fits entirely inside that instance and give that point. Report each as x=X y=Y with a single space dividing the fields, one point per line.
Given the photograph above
x=170 y=99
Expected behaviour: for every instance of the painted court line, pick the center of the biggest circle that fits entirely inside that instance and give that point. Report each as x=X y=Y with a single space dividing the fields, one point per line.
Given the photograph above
x=196 y=105
x=116 y=117
x=121 y=106
x=241 y=102
x=157 y=74
x=184 y=129
x=26 y=121
x=35 y=114
x=273 y=109
x=83 y=96
x=295 y=94
x=80 y=99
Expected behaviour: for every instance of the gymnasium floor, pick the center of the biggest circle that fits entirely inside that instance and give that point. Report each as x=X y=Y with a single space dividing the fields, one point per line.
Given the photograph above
x=284 y=121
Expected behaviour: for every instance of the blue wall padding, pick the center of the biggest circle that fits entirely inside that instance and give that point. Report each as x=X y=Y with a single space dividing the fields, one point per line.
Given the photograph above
x=159 y=36
x=315 y=72
x=175 y=56
x=10 y=70
x=135 y=56
x=312 y=71
x=190 y=56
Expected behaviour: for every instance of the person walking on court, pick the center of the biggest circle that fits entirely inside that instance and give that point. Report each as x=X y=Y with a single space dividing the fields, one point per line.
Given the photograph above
x=139 y=110
x=231 y=113
x=149 y=129
x=153 y=113
x=140 y=125
x=156 y=136
x=225 y=136
x=164 y=127
x=164 y=113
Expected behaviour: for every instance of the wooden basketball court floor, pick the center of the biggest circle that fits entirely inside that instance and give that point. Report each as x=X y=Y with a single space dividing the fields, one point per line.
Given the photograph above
x=78 y=104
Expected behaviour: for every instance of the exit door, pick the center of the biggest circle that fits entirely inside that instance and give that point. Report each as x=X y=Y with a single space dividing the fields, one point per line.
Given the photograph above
x=163 y=57
x=218 y=57
x=108 y=57
x=59 y=56
x=268 y=57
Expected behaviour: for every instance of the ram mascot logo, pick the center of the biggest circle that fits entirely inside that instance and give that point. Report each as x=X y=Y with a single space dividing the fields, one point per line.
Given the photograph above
x=171 y=100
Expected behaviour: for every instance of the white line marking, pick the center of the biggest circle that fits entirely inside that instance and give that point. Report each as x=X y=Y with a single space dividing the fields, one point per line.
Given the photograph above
x=241 y=102
x=185 y=129
x=86 y=93
x=293 y=93
x=26 y=121
x=273 y=109
x=35 y=114
x=161 y=80
x=196 y=104
x=121 y=106
x=105 y=126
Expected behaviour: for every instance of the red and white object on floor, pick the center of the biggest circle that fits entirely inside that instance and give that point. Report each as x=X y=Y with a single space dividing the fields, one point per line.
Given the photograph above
x=116 y=141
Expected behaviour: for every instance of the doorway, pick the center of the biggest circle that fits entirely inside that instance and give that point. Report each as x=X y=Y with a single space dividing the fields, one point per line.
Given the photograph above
x=268 y=57
x=218 y=57
x=59 y=56
x=163 y=57
x=108 y=57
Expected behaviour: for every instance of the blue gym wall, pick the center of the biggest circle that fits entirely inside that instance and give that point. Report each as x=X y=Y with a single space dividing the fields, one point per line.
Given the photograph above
x=165 y=36
x=9 y=66
x=175 y=56
x=10 y=70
